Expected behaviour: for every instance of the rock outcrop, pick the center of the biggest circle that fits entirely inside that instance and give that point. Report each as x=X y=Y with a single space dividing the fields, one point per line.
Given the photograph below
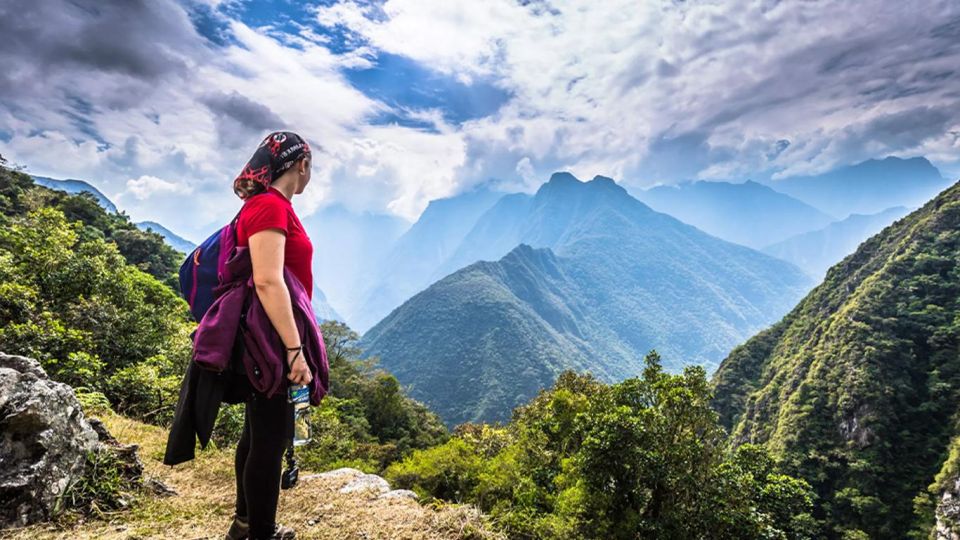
x=45 y=442
x=948 y=513
x=354 y=480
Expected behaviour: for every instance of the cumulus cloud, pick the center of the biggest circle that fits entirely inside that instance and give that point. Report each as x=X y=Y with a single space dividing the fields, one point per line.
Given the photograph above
x=130 y=96
x=657 y=90
x=147 y=186
x=646 y=92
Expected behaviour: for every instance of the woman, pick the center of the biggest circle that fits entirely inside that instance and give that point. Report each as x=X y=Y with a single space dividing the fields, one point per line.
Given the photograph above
x=278 y=170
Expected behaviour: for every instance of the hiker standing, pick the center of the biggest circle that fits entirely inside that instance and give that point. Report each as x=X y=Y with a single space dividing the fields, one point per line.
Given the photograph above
x=259 y=335
x=280 y=168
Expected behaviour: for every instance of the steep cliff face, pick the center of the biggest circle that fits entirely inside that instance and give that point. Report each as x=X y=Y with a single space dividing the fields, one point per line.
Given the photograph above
x=857 y=388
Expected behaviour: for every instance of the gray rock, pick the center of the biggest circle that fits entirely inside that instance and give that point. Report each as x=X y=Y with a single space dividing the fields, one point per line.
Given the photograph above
x=400 y=494
x=22 y=364
x=159 y=488
x=341 y=472
x=44 y=440
x=366 y=482
x=948 y=513
x=344 y=473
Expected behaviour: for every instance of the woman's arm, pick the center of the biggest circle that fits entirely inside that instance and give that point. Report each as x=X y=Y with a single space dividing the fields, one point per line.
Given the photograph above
x=266 y=255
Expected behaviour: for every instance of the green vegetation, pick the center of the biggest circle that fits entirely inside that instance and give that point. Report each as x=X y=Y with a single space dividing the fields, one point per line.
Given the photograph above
x=644 y=458
x=145 y=250
x=856 y=390
x=107 y=485
x=70 y=298
x=843 y=416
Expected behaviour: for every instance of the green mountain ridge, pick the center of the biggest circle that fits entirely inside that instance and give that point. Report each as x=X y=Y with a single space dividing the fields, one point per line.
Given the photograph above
x=74 y=187
x=602 y=280
x=77 y=186
x=520 y=304
x=856 y=389
x=175 y=241
x=413 y=258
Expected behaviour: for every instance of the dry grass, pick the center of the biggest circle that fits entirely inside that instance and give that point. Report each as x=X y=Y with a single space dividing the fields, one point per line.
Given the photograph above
x=203 y=507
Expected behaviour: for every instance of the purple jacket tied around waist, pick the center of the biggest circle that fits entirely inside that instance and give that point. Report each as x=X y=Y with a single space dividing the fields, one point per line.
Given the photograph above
x=237 y=310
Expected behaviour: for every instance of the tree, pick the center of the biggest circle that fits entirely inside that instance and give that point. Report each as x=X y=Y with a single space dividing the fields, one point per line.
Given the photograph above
x=644 y=458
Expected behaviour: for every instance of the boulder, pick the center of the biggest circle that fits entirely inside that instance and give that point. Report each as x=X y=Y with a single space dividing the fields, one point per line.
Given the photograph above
x=44 y=442
x=366 y=482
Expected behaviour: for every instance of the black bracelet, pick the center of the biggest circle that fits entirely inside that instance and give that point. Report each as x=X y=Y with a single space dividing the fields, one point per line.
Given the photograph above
x=295 y=357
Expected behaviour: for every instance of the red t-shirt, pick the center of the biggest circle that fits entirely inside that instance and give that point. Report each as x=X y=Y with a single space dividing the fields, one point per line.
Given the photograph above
x=271 y=210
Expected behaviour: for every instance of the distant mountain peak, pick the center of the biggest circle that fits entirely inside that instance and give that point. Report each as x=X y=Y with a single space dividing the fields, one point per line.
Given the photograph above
x=747 y=213
x=565 y=182
x=563 y=177
x=867 y=187
x=175 y=241
x=528 y=252
x=604 y=181
x=918 y=165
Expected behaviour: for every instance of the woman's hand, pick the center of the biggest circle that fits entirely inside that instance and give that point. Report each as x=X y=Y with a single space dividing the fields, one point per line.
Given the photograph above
x=299 y=371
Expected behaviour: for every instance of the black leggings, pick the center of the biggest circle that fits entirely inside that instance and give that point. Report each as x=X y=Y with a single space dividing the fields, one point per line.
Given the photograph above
x=259 y=460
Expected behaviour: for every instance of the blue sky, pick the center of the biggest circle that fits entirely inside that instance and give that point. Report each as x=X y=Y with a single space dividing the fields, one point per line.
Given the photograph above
x=159 y=103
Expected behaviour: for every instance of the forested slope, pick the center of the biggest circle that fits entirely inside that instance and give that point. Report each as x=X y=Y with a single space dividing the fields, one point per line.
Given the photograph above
x=857 y=389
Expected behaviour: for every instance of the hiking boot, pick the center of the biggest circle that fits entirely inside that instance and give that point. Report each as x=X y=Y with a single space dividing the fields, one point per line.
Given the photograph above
x=239 y=529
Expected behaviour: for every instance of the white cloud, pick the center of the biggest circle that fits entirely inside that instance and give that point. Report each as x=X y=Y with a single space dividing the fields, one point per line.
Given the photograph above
x=148 y=186
x=598 y=84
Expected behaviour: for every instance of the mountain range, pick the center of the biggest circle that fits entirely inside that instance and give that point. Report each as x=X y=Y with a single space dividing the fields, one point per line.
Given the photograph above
x=816 y=251
x=410 y=264
x=450 y=235
x=598 y=279
x=867 y=187
x=77 y=186
x=747 y=213
x=856 y=390
x=176 y=242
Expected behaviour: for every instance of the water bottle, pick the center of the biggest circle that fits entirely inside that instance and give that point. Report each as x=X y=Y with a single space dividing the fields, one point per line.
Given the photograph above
x=300 y=398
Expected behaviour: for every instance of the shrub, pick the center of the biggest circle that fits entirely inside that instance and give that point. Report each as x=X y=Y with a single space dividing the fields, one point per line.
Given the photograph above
x=105 y=485
x=644 y=458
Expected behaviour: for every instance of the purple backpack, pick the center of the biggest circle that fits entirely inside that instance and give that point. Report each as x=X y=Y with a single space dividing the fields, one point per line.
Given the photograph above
x=202 y=270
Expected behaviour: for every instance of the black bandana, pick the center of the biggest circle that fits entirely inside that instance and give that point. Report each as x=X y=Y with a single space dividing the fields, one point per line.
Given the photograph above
x=277 y=153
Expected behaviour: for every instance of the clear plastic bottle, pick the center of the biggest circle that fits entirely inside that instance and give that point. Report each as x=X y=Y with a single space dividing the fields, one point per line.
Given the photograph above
x=300 y=397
